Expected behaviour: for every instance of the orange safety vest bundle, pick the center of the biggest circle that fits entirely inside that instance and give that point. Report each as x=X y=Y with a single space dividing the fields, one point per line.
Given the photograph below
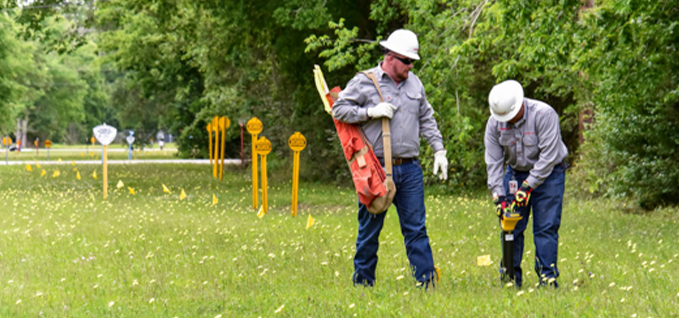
x=374 y=187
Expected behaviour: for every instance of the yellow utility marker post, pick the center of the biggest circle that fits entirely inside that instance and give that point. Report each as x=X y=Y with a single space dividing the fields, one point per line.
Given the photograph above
x=48 y=145
x=105 y=135
x=224 y=123
x=254 y=127
x=6 y=142
x=209 y=134
x=263 y=148
x=297 y=142
x=215 y=125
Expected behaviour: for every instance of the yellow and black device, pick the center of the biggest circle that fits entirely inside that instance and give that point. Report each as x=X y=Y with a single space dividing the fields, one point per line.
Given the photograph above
x=508 y=219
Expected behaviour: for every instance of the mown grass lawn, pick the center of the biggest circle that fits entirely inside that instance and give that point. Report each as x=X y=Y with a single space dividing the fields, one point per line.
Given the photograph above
x=64 y=252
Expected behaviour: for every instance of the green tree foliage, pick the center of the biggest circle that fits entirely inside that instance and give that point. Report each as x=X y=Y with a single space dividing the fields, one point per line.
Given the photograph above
x=15 y=62
x=618 y=57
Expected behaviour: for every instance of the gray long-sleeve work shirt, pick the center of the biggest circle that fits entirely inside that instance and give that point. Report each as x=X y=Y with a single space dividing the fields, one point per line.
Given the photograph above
x=413 y=116
x=532 y=144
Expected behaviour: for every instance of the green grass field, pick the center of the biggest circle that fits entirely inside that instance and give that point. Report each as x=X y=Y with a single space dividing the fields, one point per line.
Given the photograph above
x=91 y=153
x=65 y=252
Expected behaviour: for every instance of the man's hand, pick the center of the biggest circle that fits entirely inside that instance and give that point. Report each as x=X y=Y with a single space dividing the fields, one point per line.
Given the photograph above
x=440 y=161
x=523 y=194
x=502 y=205
x=382 y=110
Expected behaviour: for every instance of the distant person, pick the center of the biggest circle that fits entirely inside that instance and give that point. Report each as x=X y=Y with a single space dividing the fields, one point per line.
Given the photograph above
x=411 y=116
x=525 y=135
x=161 y=143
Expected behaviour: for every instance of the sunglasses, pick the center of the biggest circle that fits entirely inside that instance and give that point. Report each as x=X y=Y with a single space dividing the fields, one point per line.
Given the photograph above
x=404 y=61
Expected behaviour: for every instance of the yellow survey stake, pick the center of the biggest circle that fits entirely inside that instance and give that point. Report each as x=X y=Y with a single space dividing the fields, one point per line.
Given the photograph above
x=297 y=142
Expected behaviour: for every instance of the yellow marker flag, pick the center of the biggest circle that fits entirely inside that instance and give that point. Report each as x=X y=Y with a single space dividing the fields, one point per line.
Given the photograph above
x=43 y=173
x=120 y=184
x=131 y=190
x=37 y=165
x=29 y=168
x=310 y=222
x=483 y=260
x=165 y=189
x=182 y=195
x=59 y=160
x=94 y=174
x=438 y=273
x=214 y=200
x=82 y=154
x=56 y=174
x=72 y=163
x=91 y=154
x=77 y=175
x=260 y=213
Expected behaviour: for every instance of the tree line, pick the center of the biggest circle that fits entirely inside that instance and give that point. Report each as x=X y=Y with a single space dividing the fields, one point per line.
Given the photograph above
x=608 y=67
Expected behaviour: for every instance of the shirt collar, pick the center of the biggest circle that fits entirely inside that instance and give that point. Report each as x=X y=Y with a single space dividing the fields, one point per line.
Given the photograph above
x=381 y=74
x=523 y=118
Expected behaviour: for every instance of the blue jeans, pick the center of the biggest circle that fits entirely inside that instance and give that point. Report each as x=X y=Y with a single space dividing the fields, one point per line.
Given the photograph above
x=409 y=202
x=546 y=202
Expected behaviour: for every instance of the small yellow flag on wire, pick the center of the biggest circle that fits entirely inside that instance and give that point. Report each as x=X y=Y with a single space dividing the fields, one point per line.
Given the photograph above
x=483 y=260
x=120 y=184
x=310 y=222
x=260 y=213
x=165 y=189
x=29 y=168
x=77 y=175
x=59 y=160
x=82 y=154
x=94 y=174
x=43 y=173
x=182 y=195
x=214 y=200
x=131 y=190
x=37 y=165
x=56 y=174
x=438 y=273
x=72 y=162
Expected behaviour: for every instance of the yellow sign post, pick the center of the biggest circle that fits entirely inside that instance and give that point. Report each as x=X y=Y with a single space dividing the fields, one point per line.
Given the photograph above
x=215 y=126
x=297 y=142
x=224 y=123
x=209 y=134
x=254 y=127
x=105 y=135
x=263 y=148
x=7 y=142
x=48 y=145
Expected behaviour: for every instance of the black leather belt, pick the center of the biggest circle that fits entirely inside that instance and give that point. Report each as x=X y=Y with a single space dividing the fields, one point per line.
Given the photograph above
x=398 y=161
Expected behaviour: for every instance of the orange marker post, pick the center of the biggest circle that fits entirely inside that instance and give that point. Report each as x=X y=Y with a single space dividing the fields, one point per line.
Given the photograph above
x=263 y=148
x=297 y=142
x=254 y=127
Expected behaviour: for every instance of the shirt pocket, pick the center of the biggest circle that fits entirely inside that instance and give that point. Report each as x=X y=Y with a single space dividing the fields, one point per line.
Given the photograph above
x=412 y=103
x=530 y=146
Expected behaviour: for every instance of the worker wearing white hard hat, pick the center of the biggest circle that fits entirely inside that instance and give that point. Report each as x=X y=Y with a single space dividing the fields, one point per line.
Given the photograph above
x=411 y=117
x=524 y=134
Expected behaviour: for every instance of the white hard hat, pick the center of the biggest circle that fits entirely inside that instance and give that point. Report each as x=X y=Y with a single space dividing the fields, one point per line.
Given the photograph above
x=505 y=100
x=403 y=42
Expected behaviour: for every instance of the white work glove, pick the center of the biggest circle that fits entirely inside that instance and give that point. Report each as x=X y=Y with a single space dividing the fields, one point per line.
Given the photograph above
x=382 y=110
x=440 y=161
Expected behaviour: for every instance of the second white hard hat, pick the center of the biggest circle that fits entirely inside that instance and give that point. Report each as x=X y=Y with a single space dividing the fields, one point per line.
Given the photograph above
x=403 y=42
x=505 y=100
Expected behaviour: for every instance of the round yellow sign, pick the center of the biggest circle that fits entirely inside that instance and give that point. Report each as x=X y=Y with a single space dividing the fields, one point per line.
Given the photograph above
x=224 y=123
x=48 y=144
x=263 y=146
x=92 y=140
x=254 y=126
x=209 y=127
x=6 y=141
x=297 y=142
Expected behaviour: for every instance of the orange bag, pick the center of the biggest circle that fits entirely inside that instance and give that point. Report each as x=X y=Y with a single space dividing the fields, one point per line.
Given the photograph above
x=375 y=189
